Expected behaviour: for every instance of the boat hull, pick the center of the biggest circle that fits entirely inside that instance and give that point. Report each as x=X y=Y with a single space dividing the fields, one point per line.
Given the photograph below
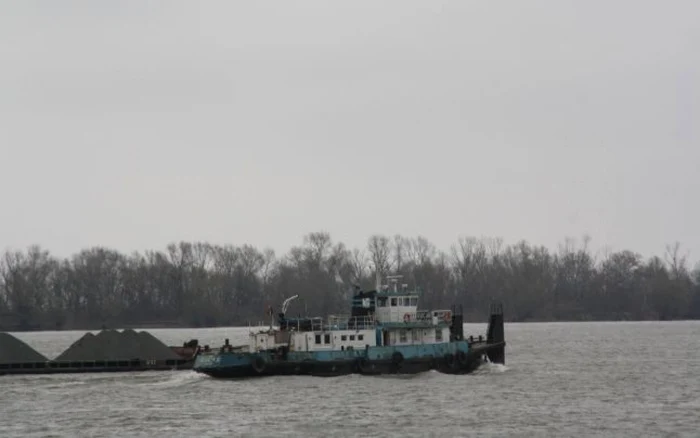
x=450 y=357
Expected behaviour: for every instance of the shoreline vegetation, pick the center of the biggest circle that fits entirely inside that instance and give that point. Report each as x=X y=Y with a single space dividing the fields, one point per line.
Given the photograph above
x=191 y=285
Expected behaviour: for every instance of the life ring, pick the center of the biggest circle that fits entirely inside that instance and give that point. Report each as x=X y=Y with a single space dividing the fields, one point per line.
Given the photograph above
x=407 y=317
x=259 y=364
x=447 y=316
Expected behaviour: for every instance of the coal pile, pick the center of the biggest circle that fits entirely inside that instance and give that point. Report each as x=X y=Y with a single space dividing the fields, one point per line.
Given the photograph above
x=12 y=350
x=112 y=345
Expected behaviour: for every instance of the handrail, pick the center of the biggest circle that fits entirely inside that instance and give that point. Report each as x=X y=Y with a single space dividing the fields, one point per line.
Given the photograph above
x=345 y=322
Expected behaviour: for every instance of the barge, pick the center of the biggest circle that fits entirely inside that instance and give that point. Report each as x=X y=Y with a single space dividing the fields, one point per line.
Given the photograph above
x=108 y=351
x=95 y=366
x=384 y=334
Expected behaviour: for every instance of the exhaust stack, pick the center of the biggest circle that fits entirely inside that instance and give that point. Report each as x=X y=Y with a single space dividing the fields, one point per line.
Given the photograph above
x=495 y=336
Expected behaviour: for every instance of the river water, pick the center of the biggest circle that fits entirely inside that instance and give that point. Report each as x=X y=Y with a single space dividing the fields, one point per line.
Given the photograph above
x=560 y=379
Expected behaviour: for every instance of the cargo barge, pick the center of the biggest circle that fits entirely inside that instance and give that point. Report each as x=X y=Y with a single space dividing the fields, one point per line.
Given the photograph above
x=108 y=351
x=119 y=366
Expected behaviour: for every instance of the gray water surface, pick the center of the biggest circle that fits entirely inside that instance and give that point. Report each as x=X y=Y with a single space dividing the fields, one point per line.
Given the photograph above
x=560 y=379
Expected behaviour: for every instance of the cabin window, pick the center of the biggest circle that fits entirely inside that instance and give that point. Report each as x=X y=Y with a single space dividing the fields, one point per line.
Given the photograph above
x=438 y=334
x=402 y=336
x=352 y=337
x=344 y=338
x=414 y=301
x=327 y=339
x=393 y=302
x=318 y=339
x=381 y=302
x=360 y=337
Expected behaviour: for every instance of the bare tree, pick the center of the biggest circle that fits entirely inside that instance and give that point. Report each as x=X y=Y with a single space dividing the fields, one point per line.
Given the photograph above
x=400 y=247
x=379 y=249
x=421 y=251
x=200 y=284
x=358 y=265
x=676 y=262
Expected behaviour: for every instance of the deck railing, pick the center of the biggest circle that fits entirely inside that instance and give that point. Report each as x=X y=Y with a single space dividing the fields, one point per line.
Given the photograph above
x=345 y=322
x=424 y=316
x=317 y=324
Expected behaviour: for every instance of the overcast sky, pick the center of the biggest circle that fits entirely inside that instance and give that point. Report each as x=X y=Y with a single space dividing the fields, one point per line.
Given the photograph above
x=132 y=124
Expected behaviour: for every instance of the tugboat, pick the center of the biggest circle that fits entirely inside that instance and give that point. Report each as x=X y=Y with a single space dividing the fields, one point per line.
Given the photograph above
x=384 y=334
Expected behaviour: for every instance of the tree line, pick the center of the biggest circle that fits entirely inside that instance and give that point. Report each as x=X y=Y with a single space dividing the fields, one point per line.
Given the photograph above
x=199 y=284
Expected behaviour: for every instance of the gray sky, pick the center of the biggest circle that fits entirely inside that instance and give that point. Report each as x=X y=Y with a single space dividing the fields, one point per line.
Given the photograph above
x=133 y=124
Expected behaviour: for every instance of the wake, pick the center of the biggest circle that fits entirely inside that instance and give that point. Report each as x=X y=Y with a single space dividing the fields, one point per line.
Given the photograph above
x=491 y=368
x=180 y=378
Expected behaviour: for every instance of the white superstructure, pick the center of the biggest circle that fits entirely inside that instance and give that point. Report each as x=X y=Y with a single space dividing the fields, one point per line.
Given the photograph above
x=385 y=317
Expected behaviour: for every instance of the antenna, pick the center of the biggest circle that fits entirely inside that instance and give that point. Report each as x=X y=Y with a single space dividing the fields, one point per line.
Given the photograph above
x=394 y=279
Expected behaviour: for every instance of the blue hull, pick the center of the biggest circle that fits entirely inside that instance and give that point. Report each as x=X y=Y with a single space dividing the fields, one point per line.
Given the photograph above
x=459 y=357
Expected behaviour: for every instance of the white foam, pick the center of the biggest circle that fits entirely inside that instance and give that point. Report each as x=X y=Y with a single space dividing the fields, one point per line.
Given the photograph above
x=179 y=378
x=490 y=367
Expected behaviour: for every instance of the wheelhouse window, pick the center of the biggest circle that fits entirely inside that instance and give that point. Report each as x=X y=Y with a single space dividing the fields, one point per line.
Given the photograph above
x=438 y=334
x=318 y=339
x=360 y=337
x=344 y=338
x=402 y=336
x=393 y=302
x=414 y=301
x=352 y=337
x=415 y=334
x=327 y=338
x=381 y=302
